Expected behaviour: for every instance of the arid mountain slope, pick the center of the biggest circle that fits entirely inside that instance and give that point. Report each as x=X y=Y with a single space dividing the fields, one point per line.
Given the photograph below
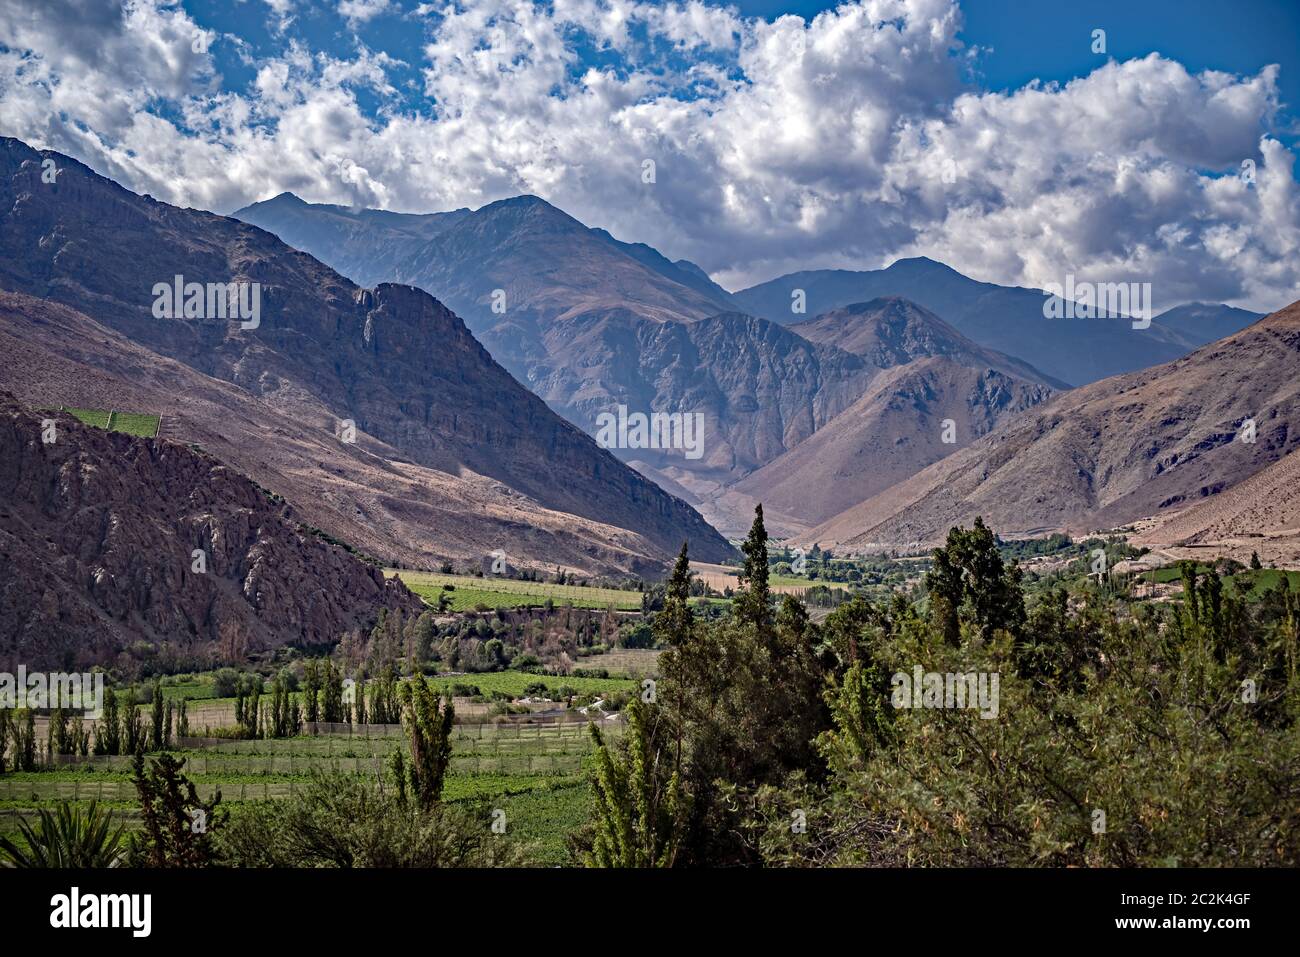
x=890 y=433
x=511 y=269
x=97 y=538
x=365 y=493
x=1109 y=453
x=932 y=380
x=392 y=359
x=591 y=323
x=1261 y=514
x=891 y=331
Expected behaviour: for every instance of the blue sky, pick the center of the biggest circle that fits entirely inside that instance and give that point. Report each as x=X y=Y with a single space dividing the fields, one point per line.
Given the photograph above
x=1018 y=41
x=987 y=134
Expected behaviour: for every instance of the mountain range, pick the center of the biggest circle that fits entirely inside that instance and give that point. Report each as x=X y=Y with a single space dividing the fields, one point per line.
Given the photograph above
x=897 y=403
x=591 y=324
x=1008 y=319
x=810 y=412
x=1130 y=447
x=452 y=459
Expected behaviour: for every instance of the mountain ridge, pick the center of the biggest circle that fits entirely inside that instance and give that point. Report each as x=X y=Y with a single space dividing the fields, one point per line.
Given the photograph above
x=1009 y=319
x=326 y=350
x=1106 y=454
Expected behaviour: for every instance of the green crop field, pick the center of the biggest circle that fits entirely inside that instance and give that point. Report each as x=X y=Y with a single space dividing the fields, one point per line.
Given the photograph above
x=1165 y=576
x=514 y=682
x=1249 y=584
x=132 y=423
x=135 y=423
x=1253 y=584
x=533 y=772
x=469 y=591
x=96 y=417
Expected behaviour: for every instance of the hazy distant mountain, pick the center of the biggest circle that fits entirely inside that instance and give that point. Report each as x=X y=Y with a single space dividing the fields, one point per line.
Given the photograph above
x=1198 y=323
x=1008 y=319
x=682 y=271
x=362 y=244
x=391 y=359
x=891 y=331
x=1108 y=453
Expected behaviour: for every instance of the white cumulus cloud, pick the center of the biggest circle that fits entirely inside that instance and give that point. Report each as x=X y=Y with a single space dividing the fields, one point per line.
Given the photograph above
x=842 y=141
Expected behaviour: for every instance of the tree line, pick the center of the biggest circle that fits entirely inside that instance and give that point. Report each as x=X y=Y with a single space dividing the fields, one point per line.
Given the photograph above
x=1126 y=733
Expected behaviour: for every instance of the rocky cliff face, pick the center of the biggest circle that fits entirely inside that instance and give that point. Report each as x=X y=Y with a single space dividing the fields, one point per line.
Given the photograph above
x=98 y=539
x=590 y=323
x=891 y=331
x=1008 y=319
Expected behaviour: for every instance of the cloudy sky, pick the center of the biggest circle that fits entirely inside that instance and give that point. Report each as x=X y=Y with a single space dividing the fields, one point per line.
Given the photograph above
x=785 y=135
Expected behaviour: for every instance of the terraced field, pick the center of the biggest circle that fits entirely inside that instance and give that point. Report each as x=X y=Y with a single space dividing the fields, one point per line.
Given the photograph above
x=470 y=592
x=132 y=423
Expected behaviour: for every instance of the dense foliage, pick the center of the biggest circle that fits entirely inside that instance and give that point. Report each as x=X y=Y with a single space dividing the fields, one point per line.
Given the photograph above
x=1118 y=733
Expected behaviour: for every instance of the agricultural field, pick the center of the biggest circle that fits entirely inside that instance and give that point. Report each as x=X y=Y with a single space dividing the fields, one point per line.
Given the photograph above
x=470 y=592
x=1249 y=584
x=132 y=423
x=1254 y=583
x=631 y=662
x=532 y=771
x=513 y=683
x=721 y=577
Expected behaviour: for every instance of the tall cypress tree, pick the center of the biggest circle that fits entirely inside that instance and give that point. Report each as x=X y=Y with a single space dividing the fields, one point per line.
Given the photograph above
x=359 y=691
x=429 y=724
x=108 y=732
x=156 y=725
x=640 y=809
x=333 y=703
x=25 y=746
x=753 y=601
x=311 y=691
x=61 y=739
x=132 y=725
x=673 y=625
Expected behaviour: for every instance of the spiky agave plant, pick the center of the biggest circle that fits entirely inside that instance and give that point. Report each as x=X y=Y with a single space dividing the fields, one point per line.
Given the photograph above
x=69 y=837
